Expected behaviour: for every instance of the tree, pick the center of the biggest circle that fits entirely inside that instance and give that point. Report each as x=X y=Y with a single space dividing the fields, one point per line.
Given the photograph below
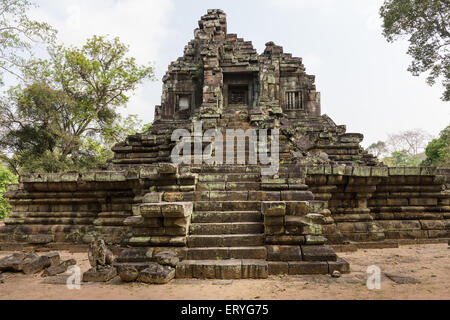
x=438 y=150
x=6 y=177
x=66 y=116
x=404 y=159
x=378 y=149
x=411 y=141
x=426 y=22
x=18 y=33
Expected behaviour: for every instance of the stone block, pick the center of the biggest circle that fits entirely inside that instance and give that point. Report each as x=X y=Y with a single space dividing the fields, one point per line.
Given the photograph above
x=152 y=197
x=51 y=259
x=128 y=273
x=176 y=209
x=292 y=195
x=100 y=274
x=254 y=269
x=379 y=172
x=278 y=267
x=297 y=208
x=285 y=239
x=274 y=230
x=340 y=265
x=40 y=238
x=423 y=202
x=318 y=253
x=283 y=253
x=307 y=267
x=274 y=221
x=167 y=258
x=273 y=208
x=167 y=168
x=412 y=171
x=173 y=196
x=58 y=269
x=152 y=210
x=362 y=171
x=229 y=269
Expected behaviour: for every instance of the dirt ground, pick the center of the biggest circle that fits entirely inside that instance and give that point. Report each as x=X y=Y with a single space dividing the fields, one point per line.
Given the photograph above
x=429 y=264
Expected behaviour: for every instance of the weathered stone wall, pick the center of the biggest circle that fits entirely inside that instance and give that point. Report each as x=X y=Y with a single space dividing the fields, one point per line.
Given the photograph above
x=370 y=204
x=80 y=207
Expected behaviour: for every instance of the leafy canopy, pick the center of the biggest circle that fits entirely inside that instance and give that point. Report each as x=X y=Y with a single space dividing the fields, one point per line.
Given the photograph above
x=426 y=23
x=18 y=34
x=65 y=117
x=438 y=150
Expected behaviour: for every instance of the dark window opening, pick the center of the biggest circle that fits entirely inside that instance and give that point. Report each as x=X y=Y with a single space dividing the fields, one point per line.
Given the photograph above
x=293 y=100
x=238 y=95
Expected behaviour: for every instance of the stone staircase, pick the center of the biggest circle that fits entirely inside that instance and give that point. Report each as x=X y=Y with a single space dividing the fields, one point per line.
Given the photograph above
x=226 y=234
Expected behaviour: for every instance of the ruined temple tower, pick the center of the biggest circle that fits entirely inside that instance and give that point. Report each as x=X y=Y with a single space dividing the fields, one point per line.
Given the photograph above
x=230 y=220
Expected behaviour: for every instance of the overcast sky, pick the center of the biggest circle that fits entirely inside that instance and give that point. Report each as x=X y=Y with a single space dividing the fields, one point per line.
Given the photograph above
x=363 y=80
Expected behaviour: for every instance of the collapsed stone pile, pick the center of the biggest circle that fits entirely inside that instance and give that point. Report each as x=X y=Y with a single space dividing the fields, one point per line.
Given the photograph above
x=32 y=263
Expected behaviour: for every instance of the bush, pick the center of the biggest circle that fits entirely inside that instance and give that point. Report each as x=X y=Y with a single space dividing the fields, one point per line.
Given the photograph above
x=6 y=177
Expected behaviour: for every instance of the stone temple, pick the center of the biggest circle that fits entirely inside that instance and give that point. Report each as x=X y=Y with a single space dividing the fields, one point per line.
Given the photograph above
x=230 y=220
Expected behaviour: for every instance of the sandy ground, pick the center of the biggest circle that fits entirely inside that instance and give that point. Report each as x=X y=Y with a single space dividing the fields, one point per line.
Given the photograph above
x=430 y=264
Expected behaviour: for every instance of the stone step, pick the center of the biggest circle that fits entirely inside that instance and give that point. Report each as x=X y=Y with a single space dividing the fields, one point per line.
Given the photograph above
x=51 y=221
x=222 y=253
x=226 y=228
x=227 y=206
x=78 y=214
x=222 y=269
x=224 y=168
x=226 y=216
x=228 y=186
x=110 y=221
x=226 y=240
x=230 y=177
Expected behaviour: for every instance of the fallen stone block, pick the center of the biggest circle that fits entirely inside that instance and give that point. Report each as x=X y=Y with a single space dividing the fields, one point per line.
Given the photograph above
x=167 y=258
x=33 y=263
x=61 y=268
x=156 y=274
x=12 y=262
x=100 y=274
x=128 y=273
x=53 y=258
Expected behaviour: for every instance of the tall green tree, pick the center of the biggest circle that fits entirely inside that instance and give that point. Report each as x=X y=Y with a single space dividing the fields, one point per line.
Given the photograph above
x=18 y=34
x=426 y=23
x=438 y=150
x=67 y=115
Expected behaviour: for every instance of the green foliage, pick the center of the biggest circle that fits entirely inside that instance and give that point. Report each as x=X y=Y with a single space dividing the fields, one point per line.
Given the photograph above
x=438 y=150
x=404 y=159
x=66 y=117
x=17 y=34
x=426 y=23
x=6 y=177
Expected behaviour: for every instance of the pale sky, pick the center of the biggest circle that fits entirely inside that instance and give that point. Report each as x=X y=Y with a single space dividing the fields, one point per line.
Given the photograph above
x=363 y=79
